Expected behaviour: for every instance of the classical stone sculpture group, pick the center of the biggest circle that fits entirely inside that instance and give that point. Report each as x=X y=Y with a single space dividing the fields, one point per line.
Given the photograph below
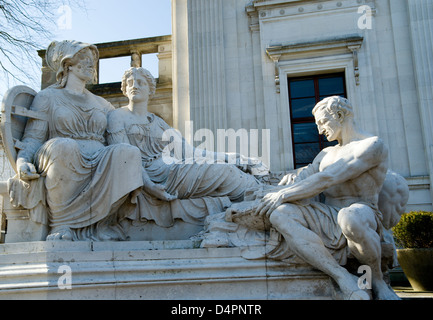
x=89 y=166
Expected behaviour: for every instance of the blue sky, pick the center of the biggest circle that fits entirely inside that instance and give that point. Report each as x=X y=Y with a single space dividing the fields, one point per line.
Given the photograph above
x=112 y=20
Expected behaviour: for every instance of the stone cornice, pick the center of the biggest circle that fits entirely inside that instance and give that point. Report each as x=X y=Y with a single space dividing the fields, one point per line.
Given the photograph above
x=292 y=7
x=332 y=46
x=336 y=43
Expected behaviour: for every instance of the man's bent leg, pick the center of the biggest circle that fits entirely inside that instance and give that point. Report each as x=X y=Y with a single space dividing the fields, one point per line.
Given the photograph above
x=289 y=221
x=358 y=223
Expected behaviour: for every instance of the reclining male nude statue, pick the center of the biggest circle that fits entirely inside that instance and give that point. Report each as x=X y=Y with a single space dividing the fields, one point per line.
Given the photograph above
x=350 y=175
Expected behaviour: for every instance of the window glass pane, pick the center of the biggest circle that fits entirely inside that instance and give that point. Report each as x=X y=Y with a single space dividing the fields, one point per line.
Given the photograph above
x=302 y=95
x=306 y=152
x=305 y=132
x=302 y=108
x=301 y=89
x=331 y=86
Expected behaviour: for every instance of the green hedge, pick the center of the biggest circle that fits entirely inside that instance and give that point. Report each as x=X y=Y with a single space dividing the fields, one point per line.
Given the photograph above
x=415 y=230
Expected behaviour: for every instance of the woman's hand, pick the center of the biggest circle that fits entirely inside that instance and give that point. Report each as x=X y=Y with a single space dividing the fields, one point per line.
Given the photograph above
x=26 y=170
x=248 y=165
x=159 y=192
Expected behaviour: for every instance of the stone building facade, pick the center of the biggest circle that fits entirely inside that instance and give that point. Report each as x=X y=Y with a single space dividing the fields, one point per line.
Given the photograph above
x=249 y=64
x=253 y=65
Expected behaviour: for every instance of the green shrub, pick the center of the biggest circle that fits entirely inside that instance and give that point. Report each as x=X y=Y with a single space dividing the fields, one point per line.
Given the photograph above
x=415 y=230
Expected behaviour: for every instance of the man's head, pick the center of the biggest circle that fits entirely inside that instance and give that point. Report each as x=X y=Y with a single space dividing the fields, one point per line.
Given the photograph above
x=331 y=114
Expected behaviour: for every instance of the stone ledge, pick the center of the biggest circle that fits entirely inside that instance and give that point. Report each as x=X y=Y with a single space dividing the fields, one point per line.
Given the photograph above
x=161 y=270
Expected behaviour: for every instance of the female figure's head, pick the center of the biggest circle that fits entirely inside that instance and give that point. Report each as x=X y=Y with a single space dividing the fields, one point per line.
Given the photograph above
x=138 y=84
x=72 y=56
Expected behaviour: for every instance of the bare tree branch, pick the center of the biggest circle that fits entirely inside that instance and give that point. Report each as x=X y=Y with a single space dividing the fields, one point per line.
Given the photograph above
x=25 y=27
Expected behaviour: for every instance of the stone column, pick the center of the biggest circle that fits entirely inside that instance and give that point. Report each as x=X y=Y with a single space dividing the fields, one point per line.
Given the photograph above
x=48 y=76
x=136 y=59
x=421 y=27
x=165 y=68
x=162 y=102
x=198 y=62
x=208 y=101
x=181 y=73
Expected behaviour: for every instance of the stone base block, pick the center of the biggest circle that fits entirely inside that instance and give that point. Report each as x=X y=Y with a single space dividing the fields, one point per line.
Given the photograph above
x=20 y=228
x=154 y=270
x=17 y=227
x=150 y=231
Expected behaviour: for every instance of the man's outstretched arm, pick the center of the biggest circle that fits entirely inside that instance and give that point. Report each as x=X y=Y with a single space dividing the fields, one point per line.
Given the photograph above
x=368 y=155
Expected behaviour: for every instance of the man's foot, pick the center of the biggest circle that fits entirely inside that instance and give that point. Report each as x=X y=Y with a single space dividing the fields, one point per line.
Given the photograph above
x=358 y=295
x=350 y=289
x=383 y=291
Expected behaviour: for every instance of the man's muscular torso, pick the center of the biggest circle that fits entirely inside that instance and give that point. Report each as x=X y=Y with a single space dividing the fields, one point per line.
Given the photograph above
x=365 y=186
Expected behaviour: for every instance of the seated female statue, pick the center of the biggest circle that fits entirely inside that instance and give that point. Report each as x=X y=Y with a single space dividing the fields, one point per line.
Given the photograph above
x=82 y=180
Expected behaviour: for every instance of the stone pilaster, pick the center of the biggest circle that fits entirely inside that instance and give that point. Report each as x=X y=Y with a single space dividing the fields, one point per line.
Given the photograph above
x=421 y=26
x=206 y=45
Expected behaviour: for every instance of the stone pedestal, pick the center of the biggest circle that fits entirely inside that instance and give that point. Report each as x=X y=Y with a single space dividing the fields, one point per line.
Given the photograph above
x=19 y=227
x=158 y=270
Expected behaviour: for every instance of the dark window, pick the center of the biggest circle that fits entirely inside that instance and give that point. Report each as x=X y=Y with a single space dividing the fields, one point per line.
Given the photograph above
x=304 y=94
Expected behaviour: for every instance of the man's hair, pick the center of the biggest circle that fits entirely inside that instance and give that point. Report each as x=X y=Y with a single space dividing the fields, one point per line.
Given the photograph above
x=145 y=73
x=333 y=105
